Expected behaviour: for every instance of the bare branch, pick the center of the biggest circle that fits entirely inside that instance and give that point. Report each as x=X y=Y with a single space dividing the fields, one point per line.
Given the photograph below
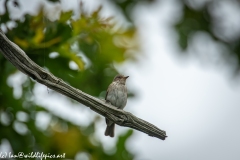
x=19 y=59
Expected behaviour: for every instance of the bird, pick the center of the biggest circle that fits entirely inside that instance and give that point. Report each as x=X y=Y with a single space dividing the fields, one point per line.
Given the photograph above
x=117 y=96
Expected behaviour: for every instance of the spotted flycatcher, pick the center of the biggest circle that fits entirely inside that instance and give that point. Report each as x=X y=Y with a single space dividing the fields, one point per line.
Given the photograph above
x=117 y=96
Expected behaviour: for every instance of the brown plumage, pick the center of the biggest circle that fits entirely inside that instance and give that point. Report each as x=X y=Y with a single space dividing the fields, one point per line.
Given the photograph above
x=117 y=96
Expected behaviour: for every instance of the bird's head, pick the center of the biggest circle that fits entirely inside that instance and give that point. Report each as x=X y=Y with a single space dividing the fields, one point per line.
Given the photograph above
x=120 y=79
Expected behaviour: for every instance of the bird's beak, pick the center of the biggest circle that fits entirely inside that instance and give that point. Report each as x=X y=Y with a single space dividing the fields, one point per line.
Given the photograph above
x=126 y=77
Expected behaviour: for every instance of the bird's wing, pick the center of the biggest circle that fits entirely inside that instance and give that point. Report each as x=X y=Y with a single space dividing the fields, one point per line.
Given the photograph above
x=106 y=95
x=108 y=90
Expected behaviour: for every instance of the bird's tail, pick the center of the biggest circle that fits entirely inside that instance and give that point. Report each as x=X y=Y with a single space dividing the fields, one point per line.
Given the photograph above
x=110 y=130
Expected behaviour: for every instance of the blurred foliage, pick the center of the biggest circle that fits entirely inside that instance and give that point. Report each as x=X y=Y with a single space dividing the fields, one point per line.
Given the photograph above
x=209 y=17
x=197 y=18
x=192 y=21
x=81 y=52
x=127 y=6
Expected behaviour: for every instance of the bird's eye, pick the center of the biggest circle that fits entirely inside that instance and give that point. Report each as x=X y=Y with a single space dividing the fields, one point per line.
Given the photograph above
x=117 y=78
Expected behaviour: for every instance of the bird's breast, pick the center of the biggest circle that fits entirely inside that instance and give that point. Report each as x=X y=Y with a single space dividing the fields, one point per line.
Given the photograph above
x=118 y=95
